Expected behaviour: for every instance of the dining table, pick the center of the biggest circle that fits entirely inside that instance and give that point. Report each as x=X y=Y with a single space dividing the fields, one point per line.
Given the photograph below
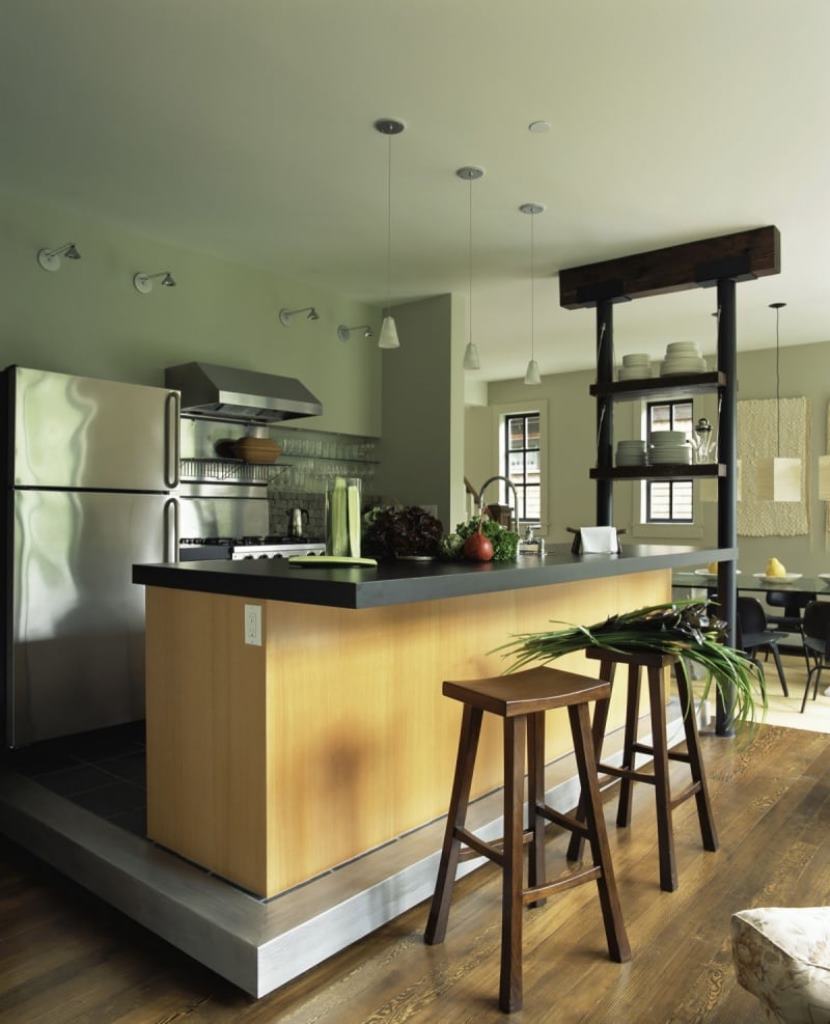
x=747 y=581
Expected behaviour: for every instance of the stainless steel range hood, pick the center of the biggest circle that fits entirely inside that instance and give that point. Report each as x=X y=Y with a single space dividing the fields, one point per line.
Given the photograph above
x=225 y=393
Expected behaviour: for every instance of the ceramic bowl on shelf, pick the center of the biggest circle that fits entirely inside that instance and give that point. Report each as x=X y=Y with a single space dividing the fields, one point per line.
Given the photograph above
x=670 y=437
x=639 y=371
x=675 y=367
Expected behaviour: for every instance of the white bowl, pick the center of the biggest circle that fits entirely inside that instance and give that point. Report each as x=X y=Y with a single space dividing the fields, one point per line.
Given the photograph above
x=668 y=437
x=634 y=373
x=676 y=369
x=682 y=346
x=636 y=359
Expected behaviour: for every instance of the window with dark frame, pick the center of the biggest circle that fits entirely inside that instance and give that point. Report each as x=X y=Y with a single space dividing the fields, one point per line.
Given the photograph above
x=522 y=463
x=669 y=501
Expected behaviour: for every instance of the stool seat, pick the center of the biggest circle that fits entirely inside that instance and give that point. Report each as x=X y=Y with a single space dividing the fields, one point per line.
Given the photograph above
x=527 y=692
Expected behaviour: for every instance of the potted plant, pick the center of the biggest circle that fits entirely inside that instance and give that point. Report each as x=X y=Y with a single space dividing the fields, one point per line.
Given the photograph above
x=687 y=629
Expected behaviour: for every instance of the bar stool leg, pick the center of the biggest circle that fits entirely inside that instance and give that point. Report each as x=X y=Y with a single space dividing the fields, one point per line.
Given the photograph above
x=704 y=805
x=632 y=718
x=665 y=837
x=607 y=669
x=535 y=798
x=510 y=986
x=615 y=933
x=467 y=746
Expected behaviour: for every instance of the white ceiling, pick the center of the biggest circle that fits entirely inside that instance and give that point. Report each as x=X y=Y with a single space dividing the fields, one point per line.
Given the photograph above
x=244 y=128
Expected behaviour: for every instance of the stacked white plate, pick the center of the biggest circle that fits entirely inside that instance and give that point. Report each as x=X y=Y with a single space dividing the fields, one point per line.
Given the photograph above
x=669 y=448
x=635 y=367
x=631 y=453
x=682 y=357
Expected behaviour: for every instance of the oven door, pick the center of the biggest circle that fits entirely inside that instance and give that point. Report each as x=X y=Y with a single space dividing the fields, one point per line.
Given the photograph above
x=223 y=510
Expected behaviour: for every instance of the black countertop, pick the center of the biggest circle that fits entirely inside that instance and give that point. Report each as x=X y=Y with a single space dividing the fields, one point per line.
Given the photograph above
x=406 y=582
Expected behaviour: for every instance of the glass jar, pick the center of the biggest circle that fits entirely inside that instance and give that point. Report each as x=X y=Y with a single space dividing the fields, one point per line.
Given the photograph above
x=343 y=516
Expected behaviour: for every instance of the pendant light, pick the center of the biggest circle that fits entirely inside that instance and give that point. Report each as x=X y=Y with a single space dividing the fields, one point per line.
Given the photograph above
x=388 y=337
x=471 y=360
x=532 y=374
x=786 y=472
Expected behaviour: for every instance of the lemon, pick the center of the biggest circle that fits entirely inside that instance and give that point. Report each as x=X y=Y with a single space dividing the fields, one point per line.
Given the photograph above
x=775 y=568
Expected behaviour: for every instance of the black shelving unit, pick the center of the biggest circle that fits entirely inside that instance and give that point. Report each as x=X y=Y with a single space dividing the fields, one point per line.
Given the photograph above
x=656 y=388
x=713 y=262
x=666 y=472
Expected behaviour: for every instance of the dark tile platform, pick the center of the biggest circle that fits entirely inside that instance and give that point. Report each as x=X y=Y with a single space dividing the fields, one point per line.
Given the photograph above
x=103 y=771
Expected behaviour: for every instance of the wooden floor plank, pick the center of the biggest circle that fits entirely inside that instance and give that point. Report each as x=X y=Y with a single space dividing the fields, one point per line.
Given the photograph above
x=66 y=958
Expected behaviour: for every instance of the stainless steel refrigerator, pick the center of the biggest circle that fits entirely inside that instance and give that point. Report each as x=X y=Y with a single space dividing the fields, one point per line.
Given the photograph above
x=89 y=467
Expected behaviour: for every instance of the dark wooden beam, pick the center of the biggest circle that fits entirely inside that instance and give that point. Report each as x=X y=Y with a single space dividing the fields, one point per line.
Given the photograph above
x=739 y=257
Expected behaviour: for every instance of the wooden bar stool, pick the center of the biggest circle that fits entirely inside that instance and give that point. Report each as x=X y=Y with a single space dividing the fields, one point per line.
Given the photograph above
x=522 y=700
x=655 y=665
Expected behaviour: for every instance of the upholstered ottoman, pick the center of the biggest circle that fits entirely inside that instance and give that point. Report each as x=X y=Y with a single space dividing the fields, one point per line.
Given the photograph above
x=782 y=956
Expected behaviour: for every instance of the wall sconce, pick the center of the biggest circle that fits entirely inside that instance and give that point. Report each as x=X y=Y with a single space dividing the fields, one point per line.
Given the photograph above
x=287 y=315
x=144 y=282
x=50 y=259
x=343 y=331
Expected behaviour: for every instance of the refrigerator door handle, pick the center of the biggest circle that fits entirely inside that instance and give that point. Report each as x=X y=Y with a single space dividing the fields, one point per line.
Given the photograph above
x=172 y=439
x=171 y=530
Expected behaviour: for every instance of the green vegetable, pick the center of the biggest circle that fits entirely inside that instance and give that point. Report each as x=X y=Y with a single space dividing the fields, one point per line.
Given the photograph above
x=687 y=629
x=353 y=501
x=505 y=542
x=338 y=519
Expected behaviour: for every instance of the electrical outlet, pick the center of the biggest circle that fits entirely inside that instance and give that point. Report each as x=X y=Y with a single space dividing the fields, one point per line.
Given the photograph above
x=253 y=624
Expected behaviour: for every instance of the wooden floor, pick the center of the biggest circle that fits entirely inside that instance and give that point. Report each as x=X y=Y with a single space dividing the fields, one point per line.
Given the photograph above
x=66 y=957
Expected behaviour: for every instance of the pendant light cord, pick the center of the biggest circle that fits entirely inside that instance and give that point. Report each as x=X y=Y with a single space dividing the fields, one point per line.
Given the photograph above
x=389 y=223
x=778 y=381
x=532 y=287
x=470 y=257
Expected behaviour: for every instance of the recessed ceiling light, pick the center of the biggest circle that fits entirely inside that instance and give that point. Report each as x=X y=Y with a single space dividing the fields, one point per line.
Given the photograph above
x=539 y=126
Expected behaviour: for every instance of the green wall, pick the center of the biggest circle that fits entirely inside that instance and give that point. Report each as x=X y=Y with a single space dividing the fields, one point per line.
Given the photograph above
x=88 y=319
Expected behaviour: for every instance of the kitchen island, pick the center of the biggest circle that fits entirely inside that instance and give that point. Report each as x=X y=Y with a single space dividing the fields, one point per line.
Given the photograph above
x=294 y=715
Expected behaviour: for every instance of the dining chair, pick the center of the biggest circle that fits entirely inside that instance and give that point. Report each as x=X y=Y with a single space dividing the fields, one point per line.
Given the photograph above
x=816 y=644
x=754 y=635
x=793 y=604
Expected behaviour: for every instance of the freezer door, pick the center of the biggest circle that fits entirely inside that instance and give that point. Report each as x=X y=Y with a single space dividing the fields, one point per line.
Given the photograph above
x=77 y=653
x=82 y=432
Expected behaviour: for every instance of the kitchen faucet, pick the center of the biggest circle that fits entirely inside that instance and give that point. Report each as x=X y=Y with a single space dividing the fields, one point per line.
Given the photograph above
x=512 y=486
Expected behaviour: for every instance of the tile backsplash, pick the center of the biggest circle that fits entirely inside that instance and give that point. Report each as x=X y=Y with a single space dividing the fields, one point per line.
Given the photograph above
x=309 y=462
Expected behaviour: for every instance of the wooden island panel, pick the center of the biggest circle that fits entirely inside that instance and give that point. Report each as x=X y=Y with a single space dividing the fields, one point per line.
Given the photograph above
x=269 y=765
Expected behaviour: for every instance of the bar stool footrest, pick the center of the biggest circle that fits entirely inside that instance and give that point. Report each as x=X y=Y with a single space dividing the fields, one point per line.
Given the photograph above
x=625 y=773
x=688 y=792
x=540 y=892
x=566 y=821
x=673 y=755
x=479 y=848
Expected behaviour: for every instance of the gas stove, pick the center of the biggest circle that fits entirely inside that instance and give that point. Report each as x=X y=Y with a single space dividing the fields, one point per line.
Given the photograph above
x=247 y=548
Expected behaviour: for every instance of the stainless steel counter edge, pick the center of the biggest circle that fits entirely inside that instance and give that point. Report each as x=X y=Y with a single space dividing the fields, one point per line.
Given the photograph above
x=409 y=582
